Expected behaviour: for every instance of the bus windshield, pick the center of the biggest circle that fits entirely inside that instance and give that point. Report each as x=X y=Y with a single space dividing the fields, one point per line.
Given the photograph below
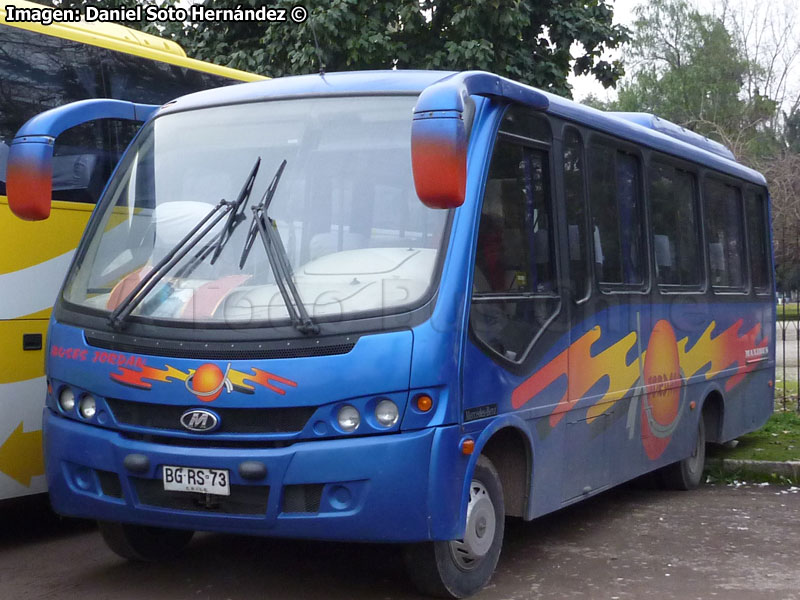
x=351 y=227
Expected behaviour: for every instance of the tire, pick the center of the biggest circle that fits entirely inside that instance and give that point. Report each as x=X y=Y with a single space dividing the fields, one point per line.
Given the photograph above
x=687 y=474
x=139 y=543
x=459 y=568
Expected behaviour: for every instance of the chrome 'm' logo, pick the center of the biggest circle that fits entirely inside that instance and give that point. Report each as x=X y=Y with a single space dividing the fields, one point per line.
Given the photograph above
x=199 y=420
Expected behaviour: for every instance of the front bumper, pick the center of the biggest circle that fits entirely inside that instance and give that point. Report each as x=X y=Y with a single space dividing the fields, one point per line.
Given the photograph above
x=376 y=488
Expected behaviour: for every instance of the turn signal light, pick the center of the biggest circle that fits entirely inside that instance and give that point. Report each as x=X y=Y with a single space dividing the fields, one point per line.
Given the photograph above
x=424 y=403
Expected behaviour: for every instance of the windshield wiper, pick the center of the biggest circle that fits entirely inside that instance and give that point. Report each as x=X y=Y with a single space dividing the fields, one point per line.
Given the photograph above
x=182 y=248
x=117 y=317
x=236 y=216
x=266 y=228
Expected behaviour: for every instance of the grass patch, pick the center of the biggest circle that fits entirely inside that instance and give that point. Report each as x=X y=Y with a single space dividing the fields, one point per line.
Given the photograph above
x=791 y=388
x=778 y=440
x=788 y=312
x=743 y=476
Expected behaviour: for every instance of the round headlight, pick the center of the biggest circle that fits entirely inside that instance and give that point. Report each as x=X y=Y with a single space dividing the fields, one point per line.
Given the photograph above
x=66 y=399
x=348 y=418
x=386 y=413
x=88 y=406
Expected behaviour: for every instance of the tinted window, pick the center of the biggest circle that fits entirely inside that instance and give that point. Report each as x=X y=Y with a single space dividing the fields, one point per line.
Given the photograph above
x=616 y=216
x=138 y=79
x=676 y=237
x=576 y=213
x=514 y=291
x=723 y=215
x=39 y=72
x=758 y=239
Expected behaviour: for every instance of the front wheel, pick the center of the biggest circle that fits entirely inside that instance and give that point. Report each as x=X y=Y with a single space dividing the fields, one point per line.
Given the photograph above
x=459 y=568
x=687 y=474
x=140 y=543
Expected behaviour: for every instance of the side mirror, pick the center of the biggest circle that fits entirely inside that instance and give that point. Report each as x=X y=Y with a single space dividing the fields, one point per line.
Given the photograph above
x=439 y=160
x=439 y=133
x=29 y=172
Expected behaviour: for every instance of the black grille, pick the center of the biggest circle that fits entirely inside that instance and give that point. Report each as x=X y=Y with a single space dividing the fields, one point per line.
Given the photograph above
x=207 y=442
x=302 y=498
x=244 y=499
x=222 y=351
x=233 y=420
x=109 y=483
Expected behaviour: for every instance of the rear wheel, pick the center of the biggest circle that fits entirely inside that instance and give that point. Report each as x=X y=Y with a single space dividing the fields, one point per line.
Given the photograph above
x=459 y=568
x=687 y=474
x=140 y=543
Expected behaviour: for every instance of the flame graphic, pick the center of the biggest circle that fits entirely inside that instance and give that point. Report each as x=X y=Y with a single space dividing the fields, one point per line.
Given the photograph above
x=259 y=377
x=719 y=353
x=725 y=351
x=587 y=371
x=139 y=379
x=241 y=381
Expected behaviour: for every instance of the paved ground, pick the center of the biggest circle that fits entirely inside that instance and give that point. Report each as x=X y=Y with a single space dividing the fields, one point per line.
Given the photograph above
x=718 y=542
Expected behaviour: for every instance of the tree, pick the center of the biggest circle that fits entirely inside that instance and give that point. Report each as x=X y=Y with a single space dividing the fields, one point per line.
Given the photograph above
x=686 y=68
x=527 y=40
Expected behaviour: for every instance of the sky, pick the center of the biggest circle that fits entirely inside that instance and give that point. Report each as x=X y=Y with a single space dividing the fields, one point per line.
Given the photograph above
x=586 y=84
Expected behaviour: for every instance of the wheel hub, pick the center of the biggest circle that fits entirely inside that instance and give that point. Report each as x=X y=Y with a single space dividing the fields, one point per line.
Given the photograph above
x=480 y=529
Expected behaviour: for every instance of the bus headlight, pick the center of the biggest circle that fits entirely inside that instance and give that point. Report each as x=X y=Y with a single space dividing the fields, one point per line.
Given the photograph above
x=66 y=399
x=348 y=418
x=88 y=406
x=386 y=413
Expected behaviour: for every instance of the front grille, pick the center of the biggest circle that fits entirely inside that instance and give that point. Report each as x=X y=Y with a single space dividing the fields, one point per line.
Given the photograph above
x=302 y=498
x=208 y=442
x=233 y=420
x=244 y=499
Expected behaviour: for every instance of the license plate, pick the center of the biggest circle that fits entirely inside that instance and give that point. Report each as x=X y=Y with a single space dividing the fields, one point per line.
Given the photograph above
x=193 y=479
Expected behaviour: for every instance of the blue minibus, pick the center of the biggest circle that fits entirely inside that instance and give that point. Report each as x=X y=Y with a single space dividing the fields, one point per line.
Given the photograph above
x=395 y=307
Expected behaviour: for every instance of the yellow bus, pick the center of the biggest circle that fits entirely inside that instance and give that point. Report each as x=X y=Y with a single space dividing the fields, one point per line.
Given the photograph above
x=42 y=67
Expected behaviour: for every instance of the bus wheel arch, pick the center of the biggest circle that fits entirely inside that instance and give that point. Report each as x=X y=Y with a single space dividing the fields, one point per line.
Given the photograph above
x=510 y=451
x=713 y=414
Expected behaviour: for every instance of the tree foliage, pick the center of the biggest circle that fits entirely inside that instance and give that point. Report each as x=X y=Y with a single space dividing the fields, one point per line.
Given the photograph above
x=528 y=40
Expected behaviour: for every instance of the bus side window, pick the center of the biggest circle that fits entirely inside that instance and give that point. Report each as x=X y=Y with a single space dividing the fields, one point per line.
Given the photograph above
x=575 y=196
x=514 y=291
x=617 y=217
x=723 y=216
x=85 y=156
x=676 y=238
x=757 y=238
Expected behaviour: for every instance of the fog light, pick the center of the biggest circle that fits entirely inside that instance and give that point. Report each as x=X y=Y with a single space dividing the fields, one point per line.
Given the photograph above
x=386 y=413
x=66 y=399
x=88 y=406
x=348 y=418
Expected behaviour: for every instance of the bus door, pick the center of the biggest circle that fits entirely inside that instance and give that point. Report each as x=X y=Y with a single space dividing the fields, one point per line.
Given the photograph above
x=609 y=313
x=516 y=317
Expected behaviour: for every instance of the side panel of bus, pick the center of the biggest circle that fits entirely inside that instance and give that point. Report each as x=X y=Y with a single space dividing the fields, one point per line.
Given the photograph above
x=659 y=315
x=39 y=72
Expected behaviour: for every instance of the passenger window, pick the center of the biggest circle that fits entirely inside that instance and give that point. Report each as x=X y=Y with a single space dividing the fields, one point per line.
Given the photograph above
x=617 y=217
x=758 y=239
x=574 y=194
x=515 y=284
x=723 y=216
x=676 y=238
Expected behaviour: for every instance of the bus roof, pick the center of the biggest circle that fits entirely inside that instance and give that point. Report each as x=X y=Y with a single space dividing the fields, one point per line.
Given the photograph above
x=639 y=128
x=123 y=39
